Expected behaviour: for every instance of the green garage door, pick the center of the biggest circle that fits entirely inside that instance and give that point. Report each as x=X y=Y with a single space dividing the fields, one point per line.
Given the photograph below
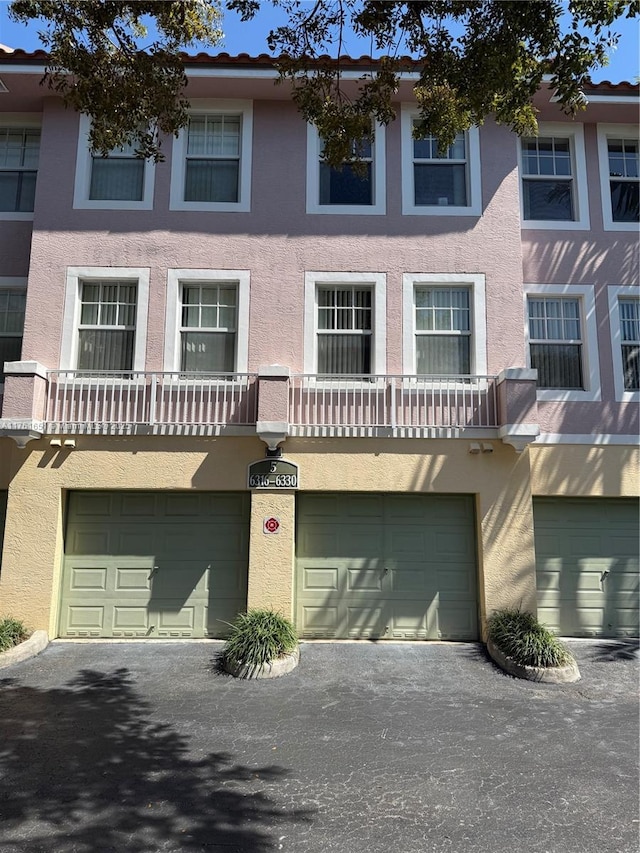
x=587 y=566
x=154 y=564
x=387 y=566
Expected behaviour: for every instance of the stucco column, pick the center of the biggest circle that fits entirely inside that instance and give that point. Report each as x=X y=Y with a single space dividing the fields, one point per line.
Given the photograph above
x=24 y=401
x=506 y=552
x=271 y=555
x=518 y=407
x=273 y=404
x=32 y=552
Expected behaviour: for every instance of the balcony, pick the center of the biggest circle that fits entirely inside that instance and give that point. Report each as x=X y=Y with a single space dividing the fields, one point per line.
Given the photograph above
x=397 y=405
x=108 y=403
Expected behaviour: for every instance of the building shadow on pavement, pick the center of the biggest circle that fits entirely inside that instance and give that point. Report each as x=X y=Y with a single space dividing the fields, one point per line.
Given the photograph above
x=84 y=768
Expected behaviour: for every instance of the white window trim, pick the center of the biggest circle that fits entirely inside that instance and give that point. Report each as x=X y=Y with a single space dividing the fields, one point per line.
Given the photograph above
x=575 y=133
x=178 y=159
x=585 y=295
x=477 y=304
x=617 y=292
x=84 y=160
x=378 y=283
x=12 y=283
x=72 y=304
x=618 y=131
x=21 y=120
x=474 y=179
x=378 y=208
x=175 y=279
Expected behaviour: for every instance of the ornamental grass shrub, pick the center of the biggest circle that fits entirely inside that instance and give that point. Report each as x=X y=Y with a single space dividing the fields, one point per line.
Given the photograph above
x=12 y=632
x=258 y=637
x=526 y=641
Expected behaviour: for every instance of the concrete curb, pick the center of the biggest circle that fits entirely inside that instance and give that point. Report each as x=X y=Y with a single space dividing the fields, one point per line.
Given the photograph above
x=547 y=675
x=36 y=643
x=275 y=669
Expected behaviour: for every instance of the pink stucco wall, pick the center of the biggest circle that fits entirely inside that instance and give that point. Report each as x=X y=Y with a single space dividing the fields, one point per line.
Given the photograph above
x=277 y=242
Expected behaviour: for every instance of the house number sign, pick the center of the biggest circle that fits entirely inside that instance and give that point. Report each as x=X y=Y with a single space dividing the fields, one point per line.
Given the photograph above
x=273 y=474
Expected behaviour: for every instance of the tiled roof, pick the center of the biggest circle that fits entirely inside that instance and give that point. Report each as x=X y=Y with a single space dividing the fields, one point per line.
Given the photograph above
x=264 y=60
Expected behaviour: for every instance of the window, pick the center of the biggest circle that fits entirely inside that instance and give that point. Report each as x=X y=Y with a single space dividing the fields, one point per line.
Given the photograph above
x=552 y=167
x=207 y=321
x=212 y=159
x=555 y=342
x=349 y=189
x=562 y=341
x=120 y=181
x=618 y=148
x=13 y=298
x=444 y=322
x=435 y=183
x=105 y=320
x=344 y=329
x=19 y=153
x=208 y=328
x=443 y=330
x=630 y=334
x=107 y=325
x=345 y=324
x=624 y=316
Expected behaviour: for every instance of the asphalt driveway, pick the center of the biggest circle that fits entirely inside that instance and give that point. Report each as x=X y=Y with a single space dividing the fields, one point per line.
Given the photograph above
x=365 y=748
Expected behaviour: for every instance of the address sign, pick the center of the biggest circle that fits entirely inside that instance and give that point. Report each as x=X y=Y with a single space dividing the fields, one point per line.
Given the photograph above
x=273 y=474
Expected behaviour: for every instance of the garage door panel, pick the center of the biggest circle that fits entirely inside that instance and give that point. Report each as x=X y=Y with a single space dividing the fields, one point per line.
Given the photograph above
x=382 y=576
x=143 y=565
x=587 y=565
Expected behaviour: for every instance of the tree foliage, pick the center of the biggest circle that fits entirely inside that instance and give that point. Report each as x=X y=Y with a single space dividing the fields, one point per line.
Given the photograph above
x=474 y=58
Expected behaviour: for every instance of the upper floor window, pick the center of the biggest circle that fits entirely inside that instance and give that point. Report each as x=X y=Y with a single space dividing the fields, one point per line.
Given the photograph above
x=107 y=325
x=444 y=324
x=345 y=324
x=105 y=320
x=19 y=154
x=208 y=327
x=618 y=148
x=440 y=183
x=212 y=159
x=352 y=188
x=552 y=168
x=562 y=341
x=207 y=321
x=443 y=330
x=120 y=181
x=630 y=342
x=13 y=298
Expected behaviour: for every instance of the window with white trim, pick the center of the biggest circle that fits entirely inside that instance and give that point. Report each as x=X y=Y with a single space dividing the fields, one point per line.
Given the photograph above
x=553 y=178
x=12 y=307
x=444 y=322
x=119 y=181
x=105 y=319
x=555 y=342
x=212 y=159
x=619 y=158
x=208 y=327
x=629 y=309
x=107 y=326
x=345 y=324
x=351 y=188
x=19 y=155
x=439 y=183
x=443 y=330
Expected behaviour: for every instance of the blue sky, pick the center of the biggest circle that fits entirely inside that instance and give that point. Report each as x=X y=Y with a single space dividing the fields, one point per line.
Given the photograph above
x=250 y=38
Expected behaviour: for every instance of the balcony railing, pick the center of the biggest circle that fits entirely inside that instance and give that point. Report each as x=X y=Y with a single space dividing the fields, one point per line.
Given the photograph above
x=403 y=405
x=112 y=401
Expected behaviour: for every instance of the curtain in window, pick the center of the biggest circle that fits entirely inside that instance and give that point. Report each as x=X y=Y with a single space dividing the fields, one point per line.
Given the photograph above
x=344 y=354
x=630 y=333
x=558 y=365
x=17 y=191
x=440 y=354
x=208 y=352
x=117 y=179
x=105 y=349
x=211 y=180
x=440 y=184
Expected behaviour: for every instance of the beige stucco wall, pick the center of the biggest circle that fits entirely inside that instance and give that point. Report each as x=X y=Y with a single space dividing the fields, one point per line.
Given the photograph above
x=502 y=482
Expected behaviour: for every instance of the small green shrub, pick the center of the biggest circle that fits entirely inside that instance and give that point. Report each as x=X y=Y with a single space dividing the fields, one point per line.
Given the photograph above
x=258 y=637
x=521 y=637
x=12 y=632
